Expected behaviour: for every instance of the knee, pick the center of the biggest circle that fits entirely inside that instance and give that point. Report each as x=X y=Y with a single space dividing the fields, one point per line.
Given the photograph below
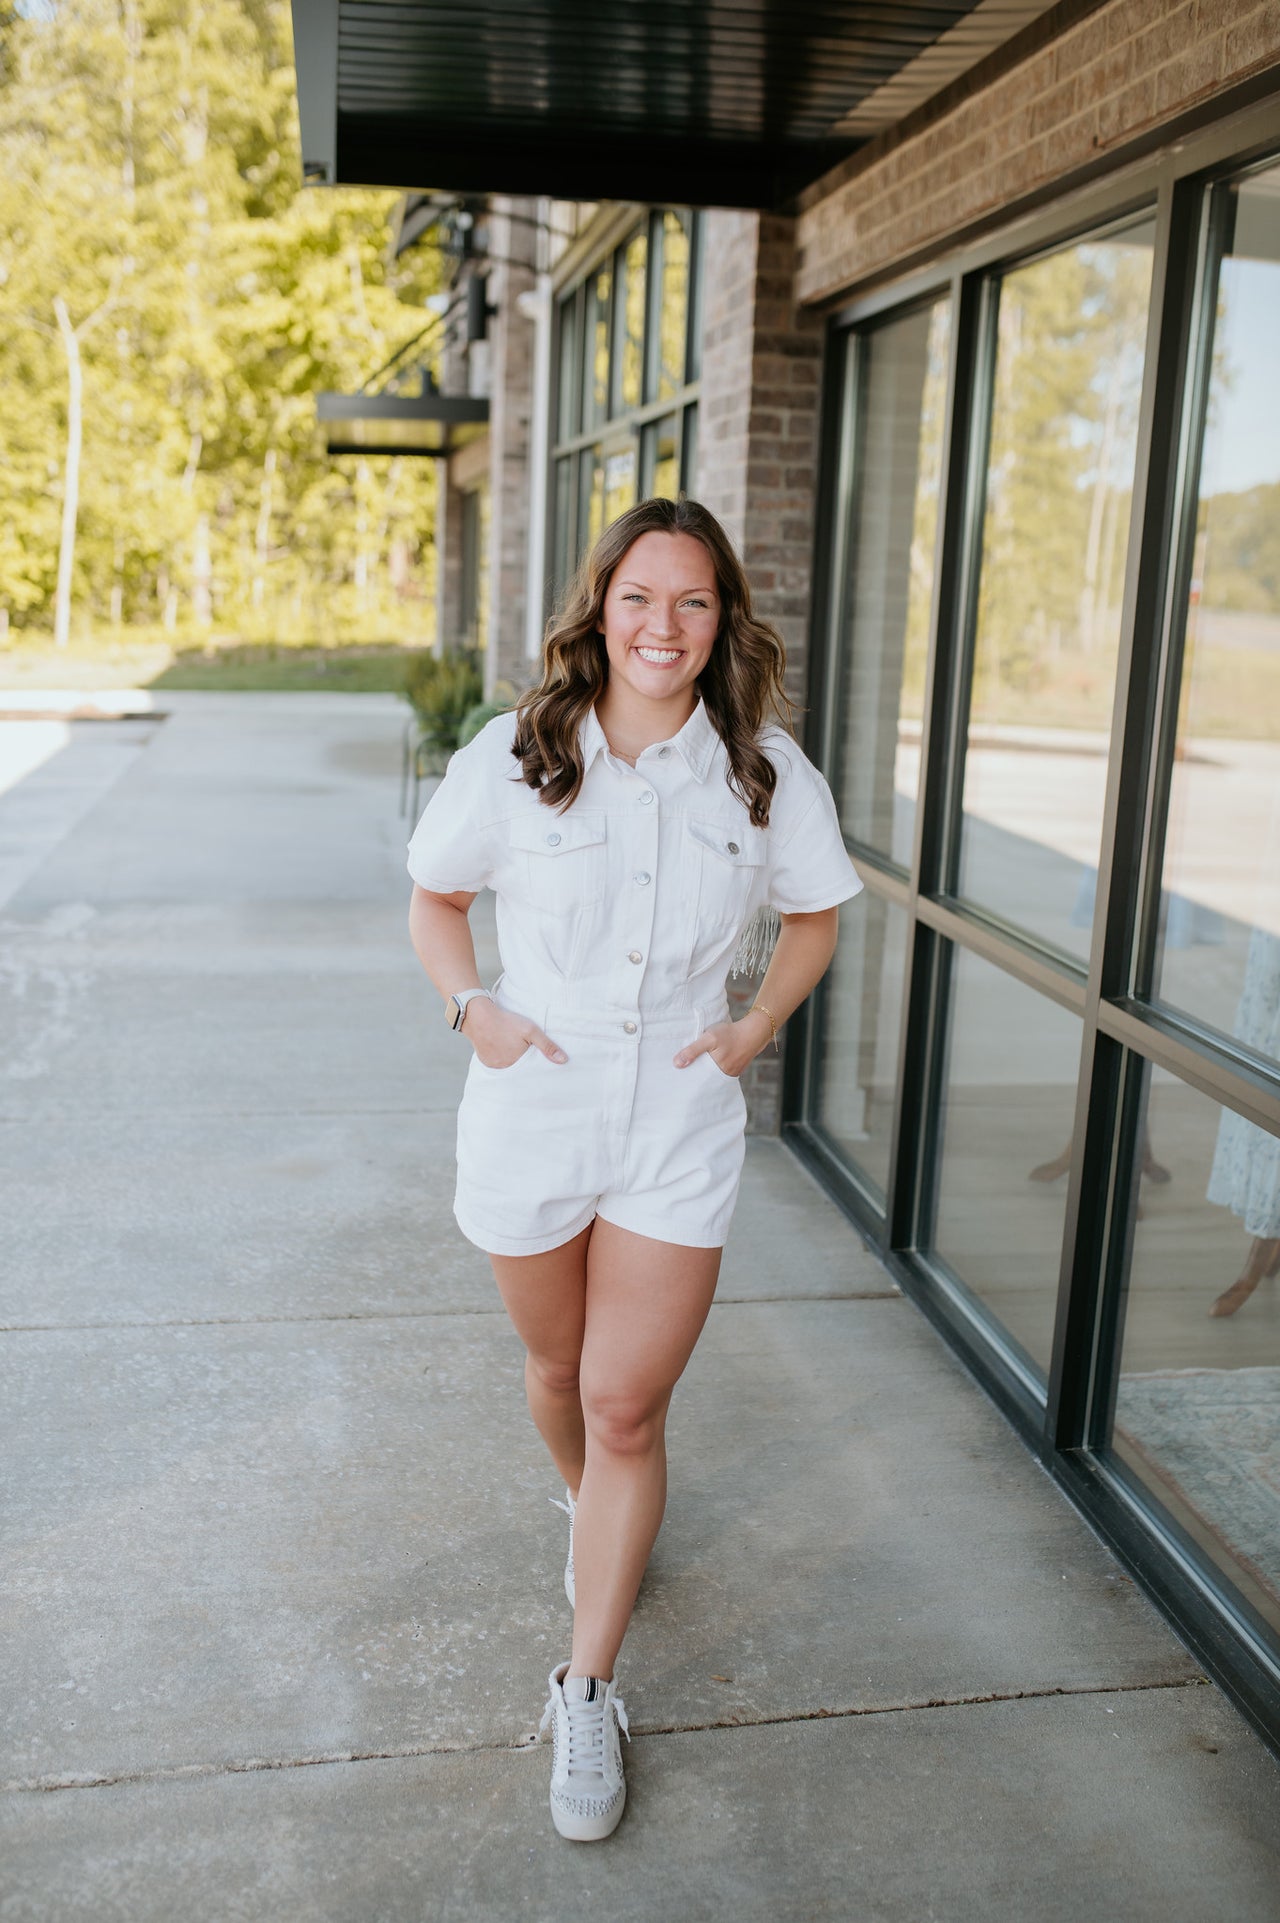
x=557 y=1377
x=623 y=1424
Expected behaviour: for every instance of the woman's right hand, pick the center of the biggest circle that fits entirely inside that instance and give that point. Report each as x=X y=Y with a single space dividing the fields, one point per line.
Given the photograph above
x=501 y=1037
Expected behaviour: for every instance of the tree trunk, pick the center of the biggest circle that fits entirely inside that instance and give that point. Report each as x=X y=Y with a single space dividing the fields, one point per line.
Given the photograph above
x=71 y=475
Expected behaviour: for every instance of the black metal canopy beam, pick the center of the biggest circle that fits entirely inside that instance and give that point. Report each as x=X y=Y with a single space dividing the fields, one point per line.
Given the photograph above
x=378 y=150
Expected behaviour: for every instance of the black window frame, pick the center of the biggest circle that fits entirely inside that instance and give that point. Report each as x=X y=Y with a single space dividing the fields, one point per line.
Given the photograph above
x=1065 y=1415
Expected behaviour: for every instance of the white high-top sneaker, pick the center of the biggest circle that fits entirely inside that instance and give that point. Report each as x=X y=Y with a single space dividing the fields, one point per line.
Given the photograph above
x=588 y=1791
x=570 y=1509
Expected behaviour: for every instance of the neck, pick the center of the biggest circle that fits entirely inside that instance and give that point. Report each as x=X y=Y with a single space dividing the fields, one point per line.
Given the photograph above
x=632 y=724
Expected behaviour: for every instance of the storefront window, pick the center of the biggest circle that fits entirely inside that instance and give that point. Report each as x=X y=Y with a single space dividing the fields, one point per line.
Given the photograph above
x=1219 y=924
x=862 y=1016
x=897 y=377
x=619 y=439
x=1012 y=1062
x=1198 y=1404
x=595 y=365
x=673 y=319
x=1070 y=337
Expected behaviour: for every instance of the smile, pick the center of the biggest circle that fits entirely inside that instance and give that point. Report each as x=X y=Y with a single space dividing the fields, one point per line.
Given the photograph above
x=660 y=657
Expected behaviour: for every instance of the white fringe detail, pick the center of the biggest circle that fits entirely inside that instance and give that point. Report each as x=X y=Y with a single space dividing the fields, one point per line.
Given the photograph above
x=756 y=942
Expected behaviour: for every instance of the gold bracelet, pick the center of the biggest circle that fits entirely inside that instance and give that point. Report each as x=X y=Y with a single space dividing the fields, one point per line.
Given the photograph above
x=773 y=1026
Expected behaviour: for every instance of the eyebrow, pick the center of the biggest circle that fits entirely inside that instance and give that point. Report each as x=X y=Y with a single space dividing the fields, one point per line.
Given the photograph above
x=648 y=590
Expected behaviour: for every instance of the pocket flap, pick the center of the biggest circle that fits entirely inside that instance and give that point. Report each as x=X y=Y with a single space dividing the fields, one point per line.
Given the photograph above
x=547 y=833
x=737 y=847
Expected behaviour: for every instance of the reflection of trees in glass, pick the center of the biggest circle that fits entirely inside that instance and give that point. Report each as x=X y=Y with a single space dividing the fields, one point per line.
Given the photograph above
x=619 y=484
x=1068 y=377
x=633 y=308
x=675 y=303
x=1241 y=533
x=924 y=530
x=597 y=360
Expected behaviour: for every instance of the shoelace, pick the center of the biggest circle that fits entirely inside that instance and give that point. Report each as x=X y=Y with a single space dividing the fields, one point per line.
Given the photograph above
x=586 y=1732
x=566 y=1508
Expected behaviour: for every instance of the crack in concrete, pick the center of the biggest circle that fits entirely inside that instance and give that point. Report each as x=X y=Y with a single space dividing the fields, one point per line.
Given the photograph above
x=254 y=1765
x=398 y=1315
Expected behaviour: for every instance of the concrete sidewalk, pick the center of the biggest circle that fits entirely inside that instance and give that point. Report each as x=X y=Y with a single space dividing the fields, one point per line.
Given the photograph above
x=281 y=1582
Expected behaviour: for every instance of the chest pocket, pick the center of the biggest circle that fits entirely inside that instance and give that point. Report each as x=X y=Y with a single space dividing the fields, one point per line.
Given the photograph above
x=726 y=859
x=557 y=862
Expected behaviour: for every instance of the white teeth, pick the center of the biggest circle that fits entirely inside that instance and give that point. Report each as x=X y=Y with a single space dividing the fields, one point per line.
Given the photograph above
x=659 y=655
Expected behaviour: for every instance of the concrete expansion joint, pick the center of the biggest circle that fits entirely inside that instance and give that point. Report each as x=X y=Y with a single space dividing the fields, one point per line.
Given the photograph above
x=253 y=1321
x=401 y=1315
x=247 y=1766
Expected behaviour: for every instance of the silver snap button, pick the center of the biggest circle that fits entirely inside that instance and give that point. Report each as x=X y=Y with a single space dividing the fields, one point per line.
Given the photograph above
x=663 y=753
x=643 y=876
x=734 y=848
x=647 y=796
x=628 y=1028
x=635 y=955
x=553 y=841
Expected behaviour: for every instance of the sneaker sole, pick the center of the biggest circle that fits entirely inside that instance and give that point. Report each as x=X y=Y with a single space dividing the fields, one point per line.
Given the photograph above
x=588 y=1829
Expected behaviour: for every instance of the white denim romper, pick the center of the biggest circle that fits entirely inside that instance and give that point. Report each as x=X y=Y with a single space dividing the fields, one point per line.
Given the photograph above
x=618 y=920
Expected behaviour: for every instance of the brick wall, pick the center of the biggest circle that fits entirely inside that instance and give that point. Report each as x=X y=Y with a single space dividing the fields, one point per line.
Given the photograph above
x=1123 y=72
x=757 y=466
x=758 y=415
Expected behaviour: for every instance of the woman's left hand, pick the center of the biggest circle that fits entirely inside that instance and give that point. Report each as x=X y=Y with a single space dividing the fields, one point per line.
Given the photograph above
x=732 y=1046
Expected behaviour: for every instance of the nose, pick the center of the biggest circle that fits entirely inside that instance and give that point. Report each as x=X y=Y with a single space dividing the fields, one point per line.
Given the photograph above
x=663 y=625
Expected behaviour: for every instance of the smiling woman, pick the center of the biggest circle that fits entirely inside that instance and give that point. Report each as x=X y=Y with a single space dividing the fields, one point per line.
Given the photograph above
x=654 y=808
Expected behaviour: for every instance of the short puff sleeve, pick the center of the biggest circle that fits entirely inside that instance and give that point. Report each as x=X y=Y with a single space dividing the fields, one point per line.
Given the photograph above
x=451 y=851
x=809 y=866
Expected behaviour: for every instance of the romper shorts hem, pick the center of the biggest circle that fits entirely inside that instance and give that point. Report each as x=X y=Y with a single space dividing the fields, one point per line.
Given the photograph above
x=494 y=1244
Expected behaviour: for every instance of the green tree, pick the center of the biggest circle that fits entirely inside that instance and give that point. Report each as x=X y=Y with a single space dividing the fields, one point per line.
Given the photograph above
x=149 y=192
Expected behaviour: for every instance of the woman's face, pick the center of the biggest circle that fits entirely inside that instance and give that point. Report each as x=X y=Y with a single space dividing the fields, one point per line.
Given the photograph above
x=661 y=615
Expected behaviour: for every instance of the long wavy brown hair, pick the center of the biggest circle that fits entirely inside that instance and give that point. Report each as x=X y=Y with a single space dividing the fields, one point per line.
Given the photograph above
x=741 y=685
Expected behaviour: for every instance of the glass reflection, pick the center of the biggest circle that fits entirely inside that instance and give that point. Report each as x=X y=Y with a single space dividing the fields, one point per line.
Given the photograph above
x=1071 y=332
x=899 y=376
x=1007 y=1116
x=861 y=1016
x=673 y=324
x=1198 y=1403
x=619 y=483
x=569 y=393
x=662 y=458
x=629 y=349
x=595 y=360
x=1219 y=940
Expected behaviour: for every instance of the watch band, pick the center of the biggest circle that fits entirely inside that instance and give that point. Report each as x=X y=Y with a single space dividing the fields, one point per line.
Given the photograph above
x=456 y=1007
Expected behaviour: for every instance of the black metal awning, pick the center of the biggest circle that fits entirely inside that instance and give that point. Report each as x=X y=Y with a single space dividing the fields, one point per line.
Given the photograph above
x=428 y=424
x=698 y=102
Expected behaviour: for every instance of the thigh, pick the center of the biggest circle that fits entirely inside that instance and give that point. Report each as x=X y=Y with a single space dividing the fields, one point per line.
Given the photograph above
x=545 y=1296
x=646 y=1304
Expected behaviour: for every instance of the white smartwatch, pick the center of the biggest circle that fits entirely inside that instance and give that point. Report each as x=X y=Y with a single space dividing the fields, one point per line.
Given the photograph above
x=455 y=1008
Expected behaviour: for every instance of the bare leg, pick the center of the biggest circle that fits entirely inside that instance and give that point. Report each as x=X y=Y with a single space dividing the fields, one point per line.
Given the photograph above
x=646 y=1305
x=1264 y=1252
x=546 y=1298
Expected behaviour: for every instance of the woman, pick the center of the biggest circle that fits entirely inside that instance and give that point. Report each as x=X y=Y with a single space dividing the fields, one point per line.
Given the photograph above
x=632 y=816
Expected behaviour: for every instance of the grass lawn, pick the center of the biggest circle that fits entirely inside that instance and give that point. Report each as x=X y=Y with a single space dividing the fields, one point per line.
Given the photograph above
x=146 y=661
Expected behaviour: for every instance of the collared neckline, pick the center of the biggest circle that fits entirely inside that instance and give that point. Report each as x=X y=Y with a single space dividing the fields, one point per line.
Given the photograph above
x=697 y=741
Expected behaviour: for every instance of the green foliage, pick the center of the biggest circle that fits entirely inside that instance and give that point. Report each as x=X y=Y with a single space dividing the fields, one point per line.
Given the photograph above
x=1240 y=534
x=443 y=689
x=150 y=179
x=477 y=718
